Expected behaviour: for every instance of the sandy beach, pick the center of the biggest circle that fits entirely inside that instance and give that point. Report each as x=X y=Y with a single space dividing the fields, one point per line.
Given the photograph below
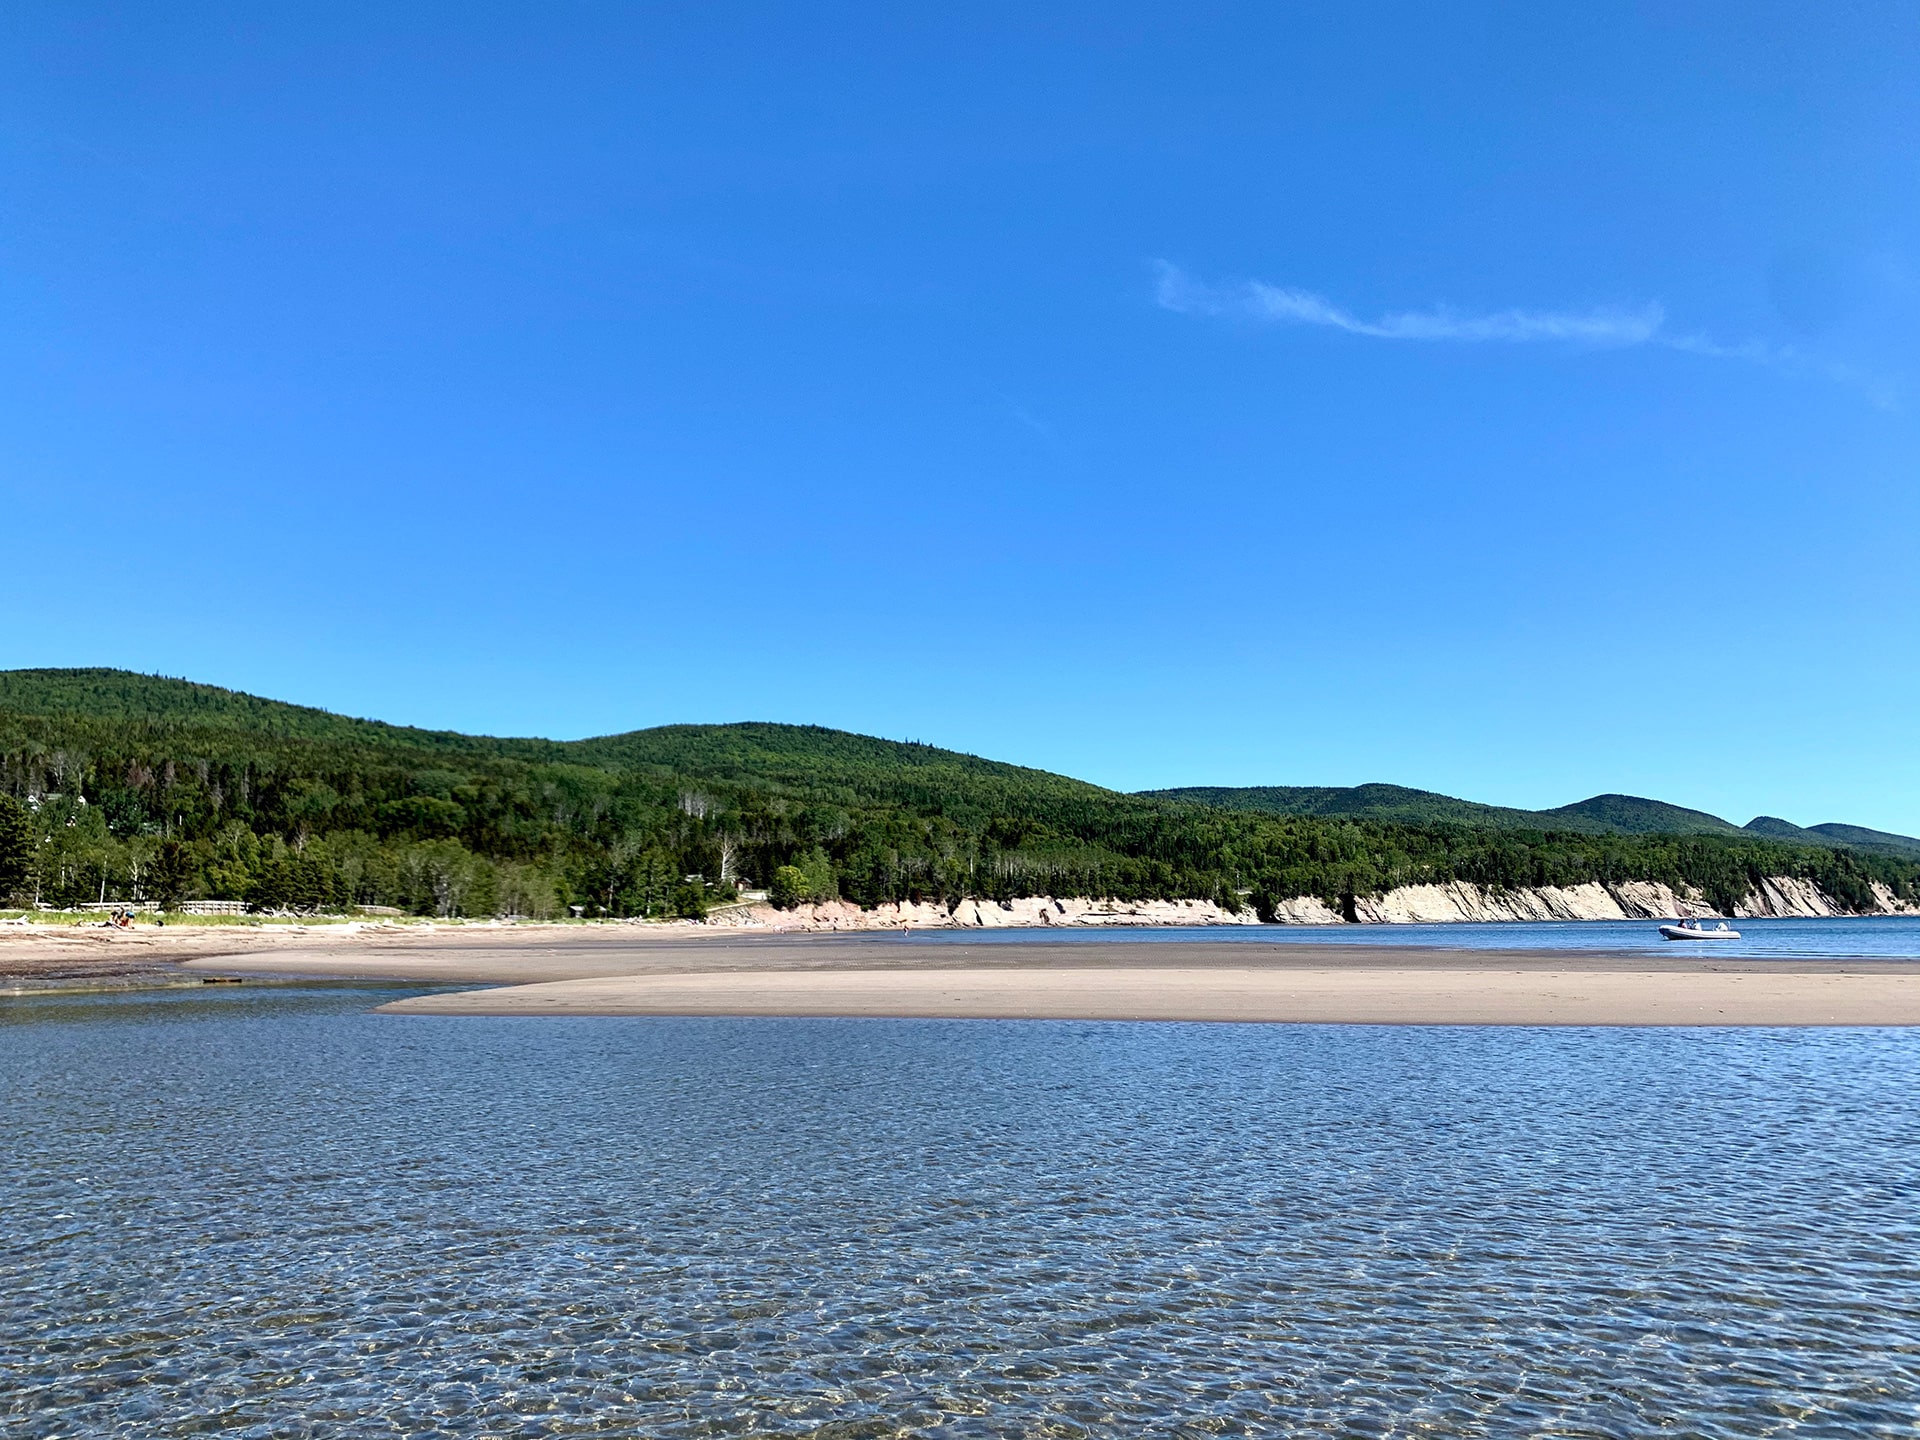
x=1464 y=988
x=1475 y=990
x=559 y=970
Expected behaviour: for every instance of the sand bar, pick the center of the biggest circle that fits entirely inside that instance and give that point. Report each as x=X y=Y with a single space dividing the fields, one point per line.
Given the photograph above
x=1433 y=995
x=631 y=970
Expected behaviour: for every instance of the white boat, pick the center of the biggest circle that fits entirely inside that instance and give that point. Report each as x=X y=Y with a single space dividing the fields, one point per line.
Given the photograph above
x=1693 y=930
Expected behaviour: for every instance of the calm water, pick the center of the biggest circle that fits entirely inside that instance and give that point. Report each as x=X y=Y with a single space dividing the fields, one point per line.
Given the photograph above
x=1883 y=936
x=267 y=1213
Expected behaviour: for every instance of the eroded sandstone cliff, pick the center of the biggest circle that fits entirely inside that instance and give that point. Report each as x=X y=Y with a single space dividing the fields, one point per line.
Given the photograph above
x=1409 y=905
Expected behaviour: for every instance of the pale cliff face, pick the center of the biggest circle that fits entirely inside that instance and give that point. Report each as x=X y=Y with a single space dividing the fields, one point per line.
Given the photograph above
x=1409 y=905
x=1440 y=904
x=987 y=914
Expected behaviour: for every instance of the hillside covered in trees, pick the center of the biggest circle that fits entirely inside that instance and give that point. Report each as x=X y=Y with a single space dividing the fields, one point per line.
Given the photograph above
x=119 y=786
x=1600 y=815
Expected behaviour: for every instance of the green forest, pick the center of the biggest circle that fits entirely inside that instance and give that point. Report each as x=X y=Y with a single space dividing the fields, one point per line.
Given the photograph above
x=120 y=787
x=1597 y=815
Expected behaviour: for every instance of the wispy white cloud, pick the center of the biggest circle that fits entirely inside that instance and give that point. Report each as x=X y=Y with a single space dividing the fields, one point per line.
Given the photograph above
x=1033 y=423
x=1755 y=351
x=1884 y=391
x=1257 y=300
x=1606 y=327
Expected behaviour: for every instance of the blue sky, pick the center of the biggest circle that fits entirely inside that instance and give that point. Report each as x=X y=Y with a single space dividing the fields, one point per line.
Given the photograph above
x=1173 y=394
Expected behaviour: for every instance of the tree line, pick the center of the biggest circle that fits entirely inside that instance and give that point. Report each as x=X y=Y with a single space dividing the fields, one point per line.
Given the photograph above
x=126 y=799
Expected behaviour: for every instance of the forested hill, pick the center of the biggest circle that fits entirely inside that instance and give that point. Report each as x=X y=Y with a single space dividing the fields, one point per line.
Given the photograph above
x=111 y=699
x=853 y=769
x=122 y=786
x=824 y=765
x=1601 y=815
x=1858 y=836
x=1361 y=802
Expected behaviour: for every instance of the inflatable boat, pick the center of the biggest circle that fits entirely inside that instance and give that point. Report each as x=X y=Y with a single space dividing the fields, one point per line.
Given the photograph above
x=1691 y=930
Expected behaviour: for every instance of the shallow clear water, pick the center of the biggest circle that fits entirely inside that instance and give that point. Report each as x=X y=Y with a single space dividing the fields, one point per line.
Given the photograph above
x=1881 y=936
x=268 y=1213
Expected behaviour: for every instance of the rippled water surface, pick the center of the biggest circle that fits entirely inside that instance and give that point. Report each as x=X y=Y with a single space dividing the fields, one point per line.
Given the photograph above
x=269 y=1213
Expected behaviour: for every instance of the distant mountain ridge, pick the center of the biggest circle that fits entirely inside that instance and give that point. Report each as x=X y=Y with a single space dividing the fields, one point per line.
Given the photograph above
x=137 y=787
x=1862 y=838
x=1632 y=815
x=798 y=756
x=1599 y=815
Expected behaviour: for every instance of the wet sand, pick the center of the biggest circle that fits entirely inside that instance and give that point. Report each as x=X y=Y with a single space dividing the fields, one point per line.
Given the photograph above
x=629 y=972
x=1475 y=989
x=625 y=970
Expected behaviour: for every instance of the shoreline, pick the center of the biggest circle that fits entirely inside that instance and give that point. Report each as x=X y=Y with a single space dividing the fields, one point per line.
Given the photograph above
x=1112 y=979
x=628 y=970
x=1451 y=903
